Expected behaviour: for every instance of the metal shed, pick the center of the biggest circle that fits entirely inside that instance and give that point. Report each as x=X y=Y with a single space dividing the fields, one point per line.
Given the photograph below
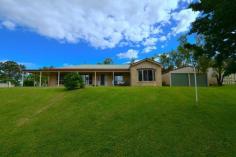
x=184 y=77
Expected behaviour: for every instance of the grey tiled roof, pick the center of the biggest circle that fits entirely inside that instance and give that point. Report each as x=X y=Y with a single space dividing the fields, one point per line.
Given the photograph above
x=98 y=66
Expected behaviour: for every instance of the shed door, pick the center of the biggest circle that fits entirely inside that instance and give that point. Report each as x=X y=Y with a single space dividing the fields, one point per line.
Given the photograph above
x=201 y=80
x=178 y=79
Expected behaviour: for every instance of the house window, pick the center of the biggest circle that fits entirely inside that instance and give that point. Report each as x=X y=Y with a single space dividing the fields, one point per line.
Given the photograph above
x=140 y=75
x=119 y=80
x=87 y=79
x=61 y=81
x=146 y=74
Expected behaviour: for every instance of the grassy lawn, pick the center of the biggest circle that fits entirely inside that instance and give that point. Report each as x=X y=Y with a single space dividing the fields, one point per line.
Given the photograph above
x=120 y=121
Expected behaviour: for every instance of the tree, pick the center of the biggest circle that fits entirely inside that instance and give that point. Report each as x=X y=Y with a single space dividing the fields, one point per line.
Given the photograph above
x=171 y=60
x=29 y=80
x=33 y=80
x=219 y=31
x=47 y=67
x=184 y=54
x=11 y=71
x=108 y=61
x=132 y=60
x=73 y=81
x=202 y=62
x=176 y=59
x=165 y=61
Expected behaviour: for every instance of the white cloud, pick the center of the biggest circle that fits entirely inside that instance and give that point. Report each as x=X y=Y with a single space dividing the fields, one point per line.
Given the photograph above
x=103 y=23
x=149 y=49
x=149 y=44
x=150 y=41
x=136 y=60
x=157 y=59
x=162 y=38
x=189 y=1
x=128 y=55
x=184 y=18
x=3 y=60
x=9 y=25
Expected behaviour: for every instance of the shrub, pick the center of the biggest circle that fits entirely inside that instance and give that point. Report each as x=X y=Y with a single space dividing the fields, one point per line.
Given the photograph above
x=28 y=83
x=73 y=81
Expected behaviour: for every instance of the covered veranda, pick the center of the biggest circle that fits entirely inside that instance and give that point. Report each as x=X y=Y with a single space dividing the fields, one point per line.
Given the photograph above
x=55 y=77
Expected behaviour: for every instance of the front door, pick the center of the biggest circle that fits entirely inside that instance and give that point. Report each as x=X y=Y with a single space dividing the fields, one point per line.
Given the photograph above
x=102 y=80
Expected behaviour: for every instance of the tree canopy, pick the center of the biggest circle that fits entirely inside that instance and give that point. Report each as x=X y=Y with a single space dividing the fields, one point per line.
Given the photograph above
x=181 y=57
x=108 y=61
x=217 y=25
x=11 y=71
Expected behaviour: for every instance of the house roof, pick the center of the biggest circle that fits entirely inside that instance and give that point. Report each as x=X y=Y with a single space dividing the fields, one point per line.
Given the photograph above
x=147 y=59
x=185 y=69
x=94 y=67
x=98 y=66
x=87 y=67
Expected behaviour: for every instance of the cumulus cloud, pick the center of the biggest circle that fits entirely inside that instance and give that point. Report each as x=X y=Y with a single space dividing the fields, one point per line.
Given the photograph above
x=128 y=55
x=149 y=44
x=149 y=49
x=103 y=23
x=135 y=60
x=184 y=19
x=162 y=38
x=150 y=41
x=9 y=25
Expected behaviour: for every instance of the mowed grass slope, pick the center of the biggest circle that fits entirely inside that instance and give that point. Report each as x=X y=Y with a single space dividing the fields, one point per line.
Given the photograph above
x=118 y=121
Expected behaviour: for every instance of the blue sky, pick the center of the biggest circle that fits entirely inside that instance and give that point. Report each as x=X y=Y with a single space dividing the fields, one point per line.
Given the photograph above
x=62 y=37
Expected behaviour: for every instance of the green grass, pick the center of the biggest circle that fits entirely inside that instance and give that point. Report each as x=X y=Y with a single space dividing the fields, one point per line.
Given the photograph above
x=119 y=121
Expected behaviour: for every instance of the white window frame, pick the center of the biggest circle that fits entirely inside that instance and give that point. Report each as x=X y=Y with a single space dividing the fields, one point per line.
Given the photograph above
x=147 y=69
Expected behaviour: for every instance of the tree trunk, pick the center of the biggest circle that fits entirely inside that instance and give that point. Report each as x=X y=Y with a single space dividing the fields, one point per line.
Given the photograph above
x=219 y=82
x=220 y=79
x=220 y=75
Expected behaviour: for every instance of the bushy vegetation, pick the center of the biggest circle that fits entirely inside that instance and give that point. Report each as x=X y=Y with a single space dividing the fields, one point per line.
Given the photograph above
x=29 y=83
x=31 y=79
x=73 y=81
x=11 y=71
